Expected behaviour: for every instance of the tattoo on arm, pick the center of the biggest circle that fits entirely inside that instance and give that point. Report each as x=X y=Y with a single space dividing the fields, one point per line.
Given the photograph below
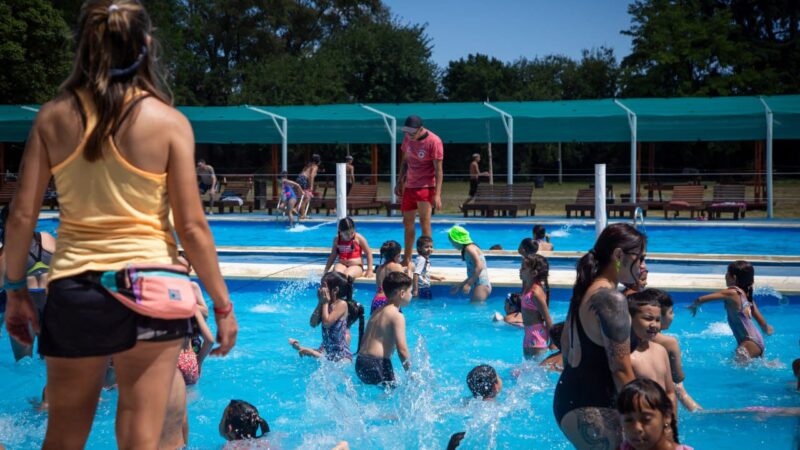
x=611 y=308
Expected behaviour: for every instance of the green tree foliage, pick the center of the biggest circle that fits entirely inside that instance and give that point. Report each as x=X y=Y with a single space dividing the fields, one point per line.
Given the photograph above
x=477 y=78
x=34 y=51
x=723 y=47
x=292 y=80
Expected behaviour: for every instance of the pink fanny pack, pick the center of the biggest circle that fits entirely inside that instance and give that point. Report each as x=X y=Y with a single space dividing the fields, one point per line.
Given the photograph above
x=161 y=291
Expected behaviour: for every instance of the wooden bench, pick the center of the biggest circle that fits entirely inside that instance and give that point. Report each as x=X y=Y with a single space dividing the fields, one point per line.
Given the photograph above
x=686 y=197
x=728 y=198
x=236 y=187
x=584 y=202
x=501 y=200
x=361 y=196
x=621 y=209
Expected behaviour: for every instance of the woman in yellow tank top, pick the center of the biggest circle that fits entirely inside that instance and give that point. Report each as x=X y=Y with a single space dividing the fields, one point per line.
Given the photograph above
x=122 y=158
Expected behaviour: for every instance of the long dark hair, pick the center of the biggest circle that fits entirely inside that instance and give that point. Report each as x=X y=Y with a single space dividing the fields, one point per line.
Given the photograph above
x=618 y=235
x=112 y=56
x=389 y=251
x=540 y=270
x=653 y=395
x=344 y=285
x=745 y=275
x=244 y=420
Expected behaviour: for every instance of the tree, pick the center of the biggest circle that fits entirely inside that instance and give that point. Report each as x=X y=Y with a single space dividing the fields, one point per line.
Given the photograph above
x=34 y=51
x=383 y=62
x=292 y=80
x=477 y=78
x=594 y=77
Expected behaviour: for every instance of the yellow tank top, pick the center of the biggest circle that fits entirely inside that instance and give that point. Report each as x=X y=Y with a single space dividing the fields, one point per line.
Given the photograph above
x=112 y=213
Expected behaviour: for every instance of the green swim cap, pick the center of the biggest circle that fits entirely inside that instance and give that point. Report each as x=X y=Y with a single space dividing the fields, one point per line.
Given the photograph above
x=459 y=235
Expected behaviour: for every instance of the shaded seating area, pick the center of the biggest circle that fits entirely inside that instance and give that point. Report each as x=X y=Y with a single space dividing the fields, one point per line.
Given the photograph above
x=361 y=197
x=686 y=198
x=236 y=192
x=501 y=201
x=584 y=202
x=728 y=198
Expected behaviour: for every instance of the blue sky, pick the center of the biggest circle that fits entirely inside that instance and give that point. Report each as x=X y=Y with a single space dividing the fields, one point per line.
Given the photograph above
x=509 y=29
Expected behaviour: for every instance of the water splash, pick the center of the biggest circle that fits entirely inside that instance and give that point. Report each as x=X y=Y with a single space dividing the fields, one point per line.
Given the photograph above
x=769 y=291
x=264 y=309
x=717 y=329
x=564 y=231
x=295 y=289
x=300 y=228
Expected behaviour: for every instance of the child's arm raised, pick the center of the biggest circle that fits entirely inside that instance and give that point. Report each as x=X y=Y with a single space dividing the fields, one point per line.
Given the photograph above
x=399 y=323
x=322 y=300
x=365 y=247
x=332 y=256
x=330 y=317
x=762 y=322
x=724 y=294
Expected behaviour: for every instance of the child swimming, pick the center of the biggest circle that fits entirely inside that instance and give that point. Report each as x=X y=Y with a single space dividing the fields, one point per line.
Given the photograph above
x=535 y=311
x=386 y=331
x=647 y=417
x=671 y=345
x=477 y=274
x=390 y=262
x=513 y=309
x=241 y=420
x=741 y=309
x=649 y=360
x=542 y=238
x=289 y=196
x=484 y=383
x=422 y=267
x=349 y=246
x=333 y=310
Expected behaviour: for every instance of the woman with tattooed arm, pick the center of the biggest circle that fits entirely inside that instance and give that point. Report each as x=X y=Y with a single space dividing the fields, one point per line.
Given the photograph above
x=596 y=340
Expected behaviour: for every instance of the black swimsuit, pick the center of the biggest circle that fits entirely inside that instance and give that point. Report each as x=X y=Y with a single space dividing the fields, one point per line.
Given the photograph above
x=588 y=385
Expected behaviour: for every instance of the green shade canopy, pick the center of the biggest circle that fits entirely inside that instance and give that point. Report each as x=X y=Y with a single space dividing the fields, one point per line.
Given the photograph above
x=16 y=122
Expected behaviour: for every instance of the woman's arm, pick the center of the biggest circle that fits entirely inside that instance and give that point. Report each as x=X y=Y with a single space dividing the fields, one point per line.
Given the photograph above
x=365 y=247
x=611 y=309
x=192 y=227
x=331 y=257
x=208 y=338
x=24 y=212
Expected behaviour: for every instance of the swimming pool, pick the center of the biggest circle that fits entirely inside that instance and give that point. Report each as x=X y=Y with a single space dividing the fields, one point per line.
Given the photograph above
x=311 y=405
x=747 y=240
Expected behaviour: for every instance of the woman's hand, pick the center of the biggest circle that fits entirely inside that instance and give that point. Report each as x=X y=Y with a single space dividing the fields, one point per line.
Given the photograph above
x=227 y=329
x=21 y=316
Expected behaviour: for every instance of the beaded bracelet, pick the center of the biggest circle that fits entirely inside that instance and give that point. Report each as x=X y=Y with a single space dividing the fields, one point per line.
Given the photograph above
x=223 y=311
x=18 y=285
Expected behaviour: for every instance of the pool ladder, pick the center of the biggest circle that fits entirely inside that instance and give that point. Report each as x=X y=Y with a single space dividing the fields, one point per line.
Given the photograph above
x=638 y=219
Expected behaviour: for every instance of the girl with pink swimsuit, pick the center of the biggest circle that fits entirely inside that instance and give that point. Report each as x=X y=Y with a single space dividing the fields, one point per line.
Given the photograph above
x=535 y=312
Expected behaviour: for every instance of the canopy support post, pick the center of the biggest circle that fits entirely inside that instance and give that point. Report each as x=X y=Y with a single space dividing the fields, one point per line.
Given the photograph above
x=508 y=123
x=390 y=122
x=770 y=120
x=282 y=130
x=634 y=128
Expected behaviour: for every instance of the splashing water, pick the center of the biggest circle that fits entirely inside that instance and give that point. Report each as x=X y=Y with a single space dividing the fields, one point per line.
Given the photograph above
x=564 y=231
x=769 y=291
x=300 y=228
x=264 y=309
x=717 y=329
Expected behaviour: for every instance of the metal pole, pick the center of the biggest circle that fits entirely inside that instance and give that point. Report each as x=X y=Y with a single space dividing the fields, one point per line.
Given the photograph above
x=632 y=122
x=508 y=123
x=282 y=131
x=770 y=199
x=390 y=122
x=560 y=179
x=600 y=218
x=341 y=191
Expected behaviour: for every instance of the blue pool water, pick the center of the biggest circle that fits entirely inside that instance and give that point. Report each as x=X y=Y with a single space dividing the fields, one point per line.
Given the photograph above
x=661 y=239
x=311 y=405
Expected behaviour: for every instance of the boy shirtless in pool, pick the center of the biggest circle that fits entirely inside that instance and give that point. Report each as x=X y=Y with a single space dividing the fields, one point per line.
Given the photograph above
x=386 y=330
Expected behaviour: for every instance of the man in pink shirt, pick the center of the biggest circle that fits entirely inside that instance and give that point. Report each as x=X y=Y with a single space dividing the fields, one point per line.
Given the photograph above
x=420 y=183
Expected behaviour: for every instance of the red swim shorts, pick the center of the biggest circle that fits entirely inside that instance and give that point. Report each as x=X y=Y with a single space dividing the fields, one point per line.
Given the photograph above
x=413 y=195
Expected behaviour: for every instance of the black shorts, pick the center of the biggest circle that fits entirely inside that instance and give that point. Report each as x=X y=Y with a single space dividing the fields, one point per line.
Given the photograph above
x=374 y=370
x=82 y=319
x=473 y=187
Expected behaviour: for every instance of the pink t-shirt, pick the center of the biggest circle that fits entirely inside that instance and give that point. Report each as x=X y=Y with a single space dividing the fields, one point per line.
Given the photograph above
x=419 y=158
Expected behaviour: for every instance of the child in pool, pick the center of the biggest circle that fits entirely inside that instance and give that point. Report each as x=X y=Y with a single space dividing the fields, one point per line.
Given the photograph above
x=535 y=307
x=527 y=248
x=648 y=359
x=554 y=361
x=477 y=274
x=484 y=383
x=350 y=247
x=306 y=181
x=513 y=310
x=386 y=331
x=240 y=424
x=289 y=191
x=741 y=309
x=422 y=267
x=542 y=238
x=671 y=345
x=335 y=297
x=647 y=417
x=391 y=254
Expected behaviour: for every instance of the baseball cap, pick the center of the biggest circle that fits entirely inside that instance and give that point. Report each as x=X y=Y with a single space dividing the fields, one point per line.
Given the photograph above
x=412 y=124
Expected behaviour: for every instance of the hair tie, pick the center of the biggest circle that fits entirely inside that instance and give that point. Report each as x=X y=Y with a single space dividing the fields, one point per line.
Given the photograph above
x=130 y=70
x=112 y=8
